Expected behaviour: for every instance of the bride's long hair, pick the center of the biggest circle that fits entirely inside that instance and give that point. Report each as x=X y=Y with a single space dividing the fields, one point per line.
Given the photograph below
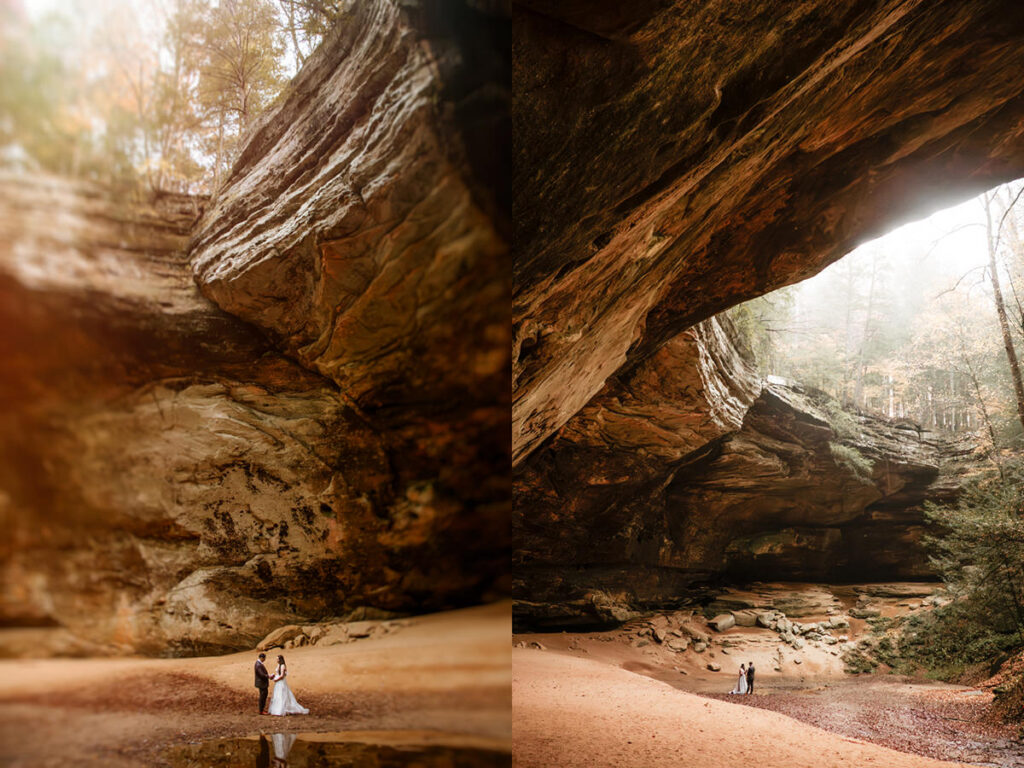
x=280 y=660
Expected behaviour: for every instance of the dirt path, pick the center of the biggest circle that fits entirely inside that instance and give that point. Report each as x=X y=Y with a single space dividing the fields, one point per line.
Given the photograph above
x=572 y=712
x=442 y=673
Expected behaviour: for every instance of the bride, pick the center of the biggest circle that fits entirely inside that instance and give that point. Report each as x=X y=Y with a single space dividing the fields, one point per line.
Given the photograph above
x=283 y=701
x=741 y=683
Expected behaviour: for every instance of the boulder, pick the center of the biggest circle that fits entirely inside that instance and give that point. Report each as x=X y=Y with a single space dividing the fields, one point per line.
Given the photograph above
x=865 y=613
x=279 y=637
x=722 y=622
x=679 y=645
x=691 y=630
x=714 y=666
x=746 y=618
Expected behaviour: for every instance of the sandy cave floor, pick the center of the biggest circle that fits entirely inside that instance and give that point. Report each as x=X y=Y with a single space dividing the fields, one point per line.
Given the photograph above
x=442 y=674
x=570 y=712
x=605 y=699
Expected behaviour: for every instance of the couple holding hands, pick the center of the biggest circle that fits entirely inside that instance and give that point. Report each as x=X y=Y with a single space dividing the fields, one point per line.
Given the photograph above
x=283 y=701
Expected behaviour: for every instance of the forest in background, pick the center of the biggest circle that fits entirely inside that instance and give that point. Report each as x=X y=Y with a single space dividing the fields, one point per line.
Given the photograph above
x=146 y=95
x=921 y=325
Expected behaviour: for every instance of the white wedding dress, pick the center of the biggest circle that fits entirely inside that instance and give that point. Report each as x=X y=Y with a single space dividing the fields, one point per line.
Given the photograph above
x=283 y=701
x=741 y=684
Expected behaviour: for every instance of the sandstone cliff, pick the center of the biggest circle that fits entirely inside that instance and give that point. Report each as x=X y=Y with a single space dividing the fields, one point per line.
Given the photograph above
x=676 y=158
x=690 y=471
x=293 y=406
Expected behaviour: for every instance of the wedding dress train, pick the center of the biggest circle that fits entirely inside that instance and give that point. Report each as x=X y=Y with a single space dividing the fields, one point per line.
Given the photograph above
x=741 y=683
x=283 y=701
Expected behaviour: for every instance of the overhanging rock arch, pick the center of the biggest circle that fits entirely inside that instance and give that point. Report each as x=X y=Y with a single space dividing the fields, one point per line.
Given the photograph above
x=675 y=159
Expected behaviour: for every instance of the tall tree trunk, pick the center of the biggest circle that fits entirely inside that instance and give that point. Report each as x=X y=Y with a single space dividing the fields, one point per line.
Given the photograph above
x=1004 y=323
x=847 y=331
x=220 y=150
x=858 y=387
x=299 y=58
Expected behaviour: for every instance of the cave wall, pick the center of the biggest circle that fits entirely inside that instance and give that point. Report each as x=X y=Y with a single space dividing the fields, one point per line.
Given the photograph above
x=691 y=471
x=286 y=402
x=675 y=158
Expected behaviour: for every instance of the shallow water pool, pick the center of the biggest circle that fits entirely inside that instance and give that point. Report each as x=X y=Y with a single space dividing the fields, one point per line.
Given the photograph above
x=326 y=750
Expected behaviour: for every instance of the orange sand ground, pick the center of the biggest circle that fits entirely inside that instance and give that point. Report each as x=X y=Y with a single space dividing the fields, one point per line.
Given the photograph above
x=570 y=712
x=444 y=673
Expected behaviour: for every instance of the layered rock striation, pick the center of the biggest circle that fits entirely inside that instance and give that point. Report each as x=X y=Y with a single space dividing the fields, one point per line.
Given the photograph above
x=676 y=158
x=284 y=404
x=691 y=471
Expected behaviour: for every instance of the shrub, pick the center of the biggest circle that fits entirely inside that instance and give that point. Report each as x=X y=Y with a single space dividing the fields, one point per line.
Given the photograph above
x=852 y=459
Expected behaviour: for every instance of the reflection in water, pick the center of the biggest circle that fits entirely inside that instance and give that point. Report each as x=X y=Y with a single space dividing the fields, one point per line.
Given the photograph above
x=286 y=750
x=282 y=746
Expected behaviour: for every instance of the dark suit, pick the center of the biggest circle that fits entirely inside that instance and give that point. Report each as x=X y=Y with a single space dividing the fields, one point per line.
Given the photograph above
x=750 y=679
x=262 y=682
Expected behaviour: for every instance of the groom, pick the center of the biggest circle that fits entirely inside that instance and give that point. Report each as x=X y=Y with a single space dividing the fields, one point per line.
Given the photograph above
x=262 y=682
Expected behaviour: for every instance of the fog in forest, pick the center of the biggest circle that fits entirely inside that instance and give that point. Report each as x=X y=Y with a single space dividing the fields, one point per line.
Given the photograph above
x=146 y=95
x=908 y=326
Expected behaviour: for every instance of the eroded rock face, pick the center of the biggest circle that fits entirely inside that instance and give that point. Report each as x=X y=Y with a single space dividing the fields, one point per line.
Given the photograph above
x=810 y=493
x=676 y=158
x=184 y=477
x=593 y=496
x=690 y=471
x=358 y=227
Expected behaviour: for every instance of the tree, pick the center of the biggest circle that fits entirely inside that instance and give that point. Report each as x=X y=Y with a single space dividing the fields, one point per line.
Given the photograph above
x=306 y=22
x=992 y=237
x=153 y=94
x=239 y=51
x=980 y=554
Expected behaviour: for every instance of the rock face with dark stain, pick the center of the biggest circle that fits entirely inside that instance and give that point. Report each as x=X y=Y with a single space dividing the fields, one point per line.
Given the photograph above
x=689 y=472
x=674 y=158
x=296 y=408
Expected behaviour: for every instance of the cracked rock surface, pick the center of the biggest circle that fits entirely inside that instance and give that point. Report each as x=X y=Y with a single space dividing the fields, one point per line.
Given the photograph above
x=284 y=404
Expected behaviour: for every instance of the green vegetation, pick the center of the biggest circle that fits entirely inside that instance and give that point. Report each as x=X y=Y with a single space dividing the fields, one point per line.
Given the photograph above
x=951 y=642
x=979 y=553
x=852 y=459
x=843 y=423
x=143 y=95
x=884 y=646
x=759 y=321
x=859 y=661
x=980 y=556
